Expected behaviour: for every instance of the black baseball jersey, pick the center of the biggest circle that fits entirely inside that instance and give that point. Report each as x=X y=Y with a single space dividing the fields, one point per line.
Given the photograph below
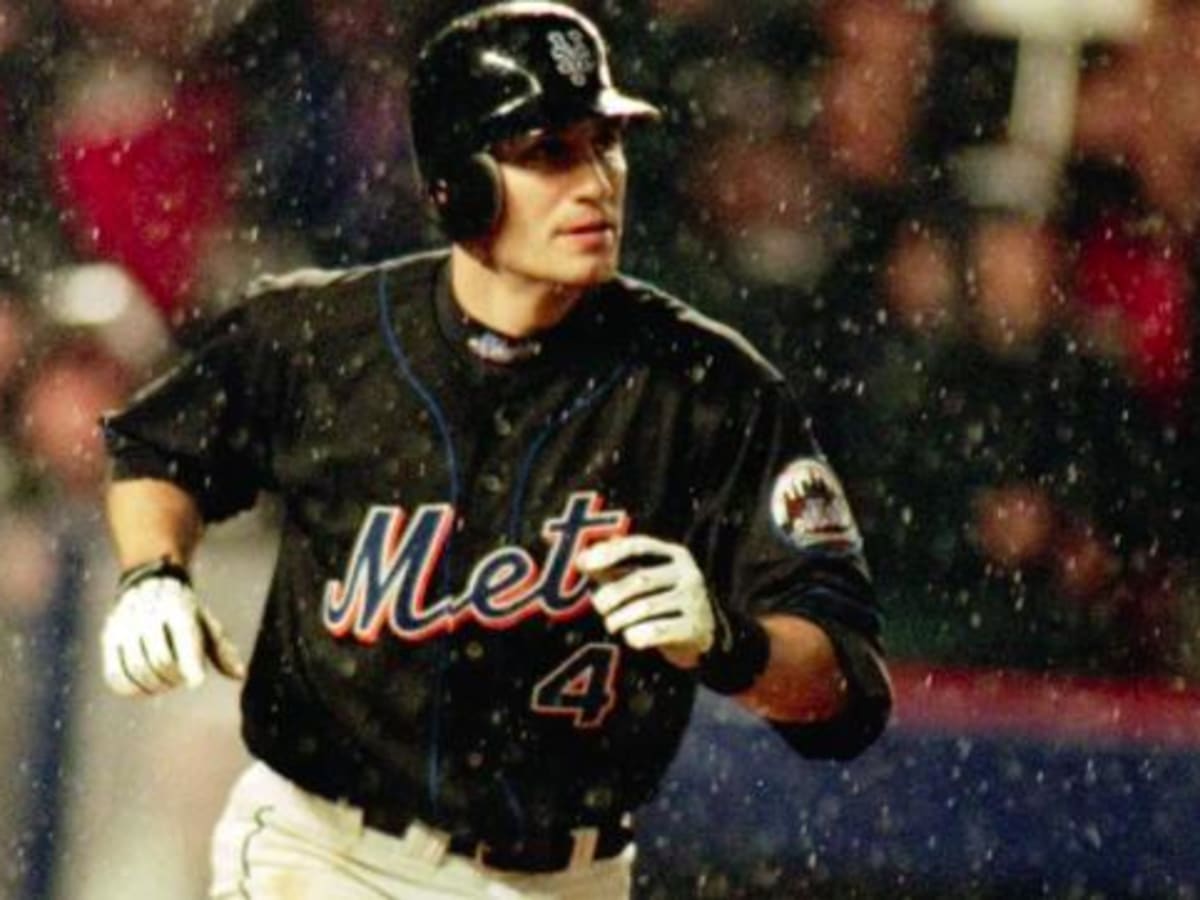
x=427 y=646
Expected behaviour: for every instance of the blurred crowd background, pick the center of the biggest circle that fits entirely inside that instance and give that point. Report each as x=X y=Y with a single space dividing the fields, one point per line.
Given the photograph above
x=966 y=230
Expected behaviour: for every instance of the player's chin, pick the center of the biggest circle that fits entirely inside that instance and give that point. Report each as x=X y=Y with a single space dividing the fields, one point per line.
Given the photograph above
x=588 y=271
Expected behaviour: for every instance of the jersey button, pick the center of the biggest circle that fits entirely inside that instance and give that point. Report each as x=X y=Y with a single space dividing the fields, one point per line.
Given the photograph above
x=492 y=483
x=502 y=423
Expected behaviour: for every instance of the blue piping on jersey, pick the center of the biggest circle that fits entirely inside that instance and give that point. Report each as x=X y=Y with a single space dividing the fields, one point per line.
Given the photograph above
x=555 y=422
x=393 y=343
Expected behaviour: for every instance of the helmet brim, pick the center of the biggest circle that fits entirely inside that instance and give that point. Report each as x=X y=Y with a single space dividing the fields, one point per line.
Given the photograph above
x=612 y=104
x=535 y=115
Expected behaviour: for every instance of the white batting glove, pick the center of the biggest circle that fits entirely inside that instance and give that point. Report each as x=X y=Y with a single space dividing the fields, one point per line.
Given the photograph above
x=158 y=636
x=652 y=594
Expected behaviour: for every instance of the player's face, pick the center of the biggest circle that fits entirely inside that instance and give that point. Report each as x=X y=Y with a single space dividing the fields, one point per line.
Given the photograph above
x=564 y=199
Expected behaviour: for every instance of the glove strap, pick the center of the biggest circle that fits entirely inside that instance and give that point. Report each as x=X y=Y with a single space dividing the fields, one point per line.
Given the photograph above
x=163 y=567
x=738 y=656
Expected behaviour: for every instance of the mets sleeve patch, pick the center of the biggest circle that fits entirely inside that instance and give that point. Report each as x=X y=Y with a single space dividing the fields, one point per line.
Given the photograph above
x=809 y=507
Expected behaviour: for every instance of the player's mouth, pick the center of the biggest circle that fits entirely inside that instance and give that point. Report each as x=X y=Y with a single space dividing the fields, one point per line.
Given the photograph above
x=592 y=233
x=590 y=226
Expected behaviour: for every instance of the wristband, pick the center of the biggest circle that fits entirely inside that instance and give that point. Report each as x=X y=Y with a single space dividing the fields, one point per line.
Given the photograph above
x=738 y=656
x=164 y=567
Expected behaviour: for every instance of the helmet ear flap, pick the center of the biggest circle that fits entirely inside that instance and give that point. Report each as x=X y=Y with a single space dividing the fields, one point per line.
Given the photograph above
x=469 y=198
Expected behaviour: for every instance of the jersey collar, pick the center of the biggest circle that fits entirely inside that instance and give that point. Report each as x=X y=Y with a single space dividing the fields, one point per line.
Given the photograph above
x=581 y=327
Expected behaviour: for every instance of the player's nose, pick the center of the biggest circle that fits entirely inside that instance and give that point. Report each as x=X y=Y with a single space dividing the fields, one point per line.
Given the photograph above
x=602 y=171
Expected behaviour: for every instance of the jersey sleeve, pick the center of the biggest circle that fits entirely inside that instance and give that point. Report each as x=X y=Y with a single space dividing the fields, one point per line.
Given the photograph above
x=779 y=537
x=206 y=424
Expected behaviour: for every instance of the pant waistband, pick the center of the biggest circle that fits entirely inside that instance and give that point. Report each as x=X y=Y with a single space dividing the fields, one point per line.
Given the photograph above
x=543 y=853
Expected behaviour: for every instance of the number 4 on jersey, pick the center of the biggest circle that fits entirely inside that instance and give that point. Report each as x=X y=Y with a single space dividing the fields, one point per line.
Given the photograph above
x=583 y=687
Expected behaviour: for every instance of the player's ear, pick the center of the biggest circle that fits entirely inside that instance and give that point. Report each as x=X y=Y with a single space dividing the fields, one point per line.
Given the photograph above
x=469 y=198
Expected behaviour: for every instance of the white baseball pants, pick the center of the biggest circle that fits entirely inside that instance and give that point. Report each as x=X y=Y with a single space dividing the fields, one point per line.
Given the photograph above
x=276 y=841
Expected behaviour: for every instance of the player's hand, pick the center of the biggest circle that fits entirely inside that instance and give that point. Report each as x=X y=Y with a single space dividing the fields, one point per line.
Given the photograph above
x=653 y=595
x=158 y=636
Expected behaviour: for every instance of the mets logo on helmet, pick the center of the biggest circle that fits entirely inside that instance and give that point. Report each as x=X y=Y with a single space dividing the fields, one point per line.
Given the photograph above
x=572 y=57
x=808 y=507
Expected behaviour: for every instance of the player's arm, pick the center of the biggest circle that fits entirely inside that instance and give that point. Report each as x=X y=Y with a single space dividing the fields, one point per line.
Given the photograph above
x=653 y=595
x=151 y=519
x=157 y=635
x=803 y=679
x=191 y=448
x=776 y=608
x=821 y=683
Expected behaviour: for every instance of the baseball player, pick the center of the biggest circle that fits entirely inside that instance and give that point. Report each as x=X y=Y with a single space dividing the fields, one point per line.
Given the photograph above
x=530 y=505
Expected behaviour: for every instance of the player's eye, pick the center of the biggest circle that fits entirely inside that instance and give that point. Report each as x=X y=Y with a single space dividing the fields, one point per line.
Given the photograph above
x=609 y=136
x=551 y=150
x=558 y=151
x=538 y=151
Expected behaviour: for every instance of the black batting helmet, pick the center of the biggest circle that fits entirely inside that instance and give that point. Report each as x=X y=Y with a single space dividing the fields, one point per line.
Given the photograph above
x=499 y=71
